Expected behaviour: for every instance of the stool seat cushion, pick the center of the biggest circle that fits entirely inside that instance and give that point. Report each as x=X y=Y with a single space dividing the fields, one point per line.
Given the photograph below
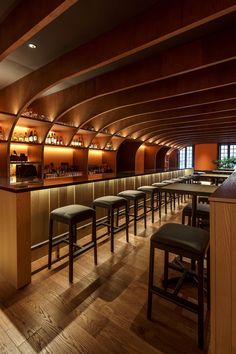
x=72 y=213
x=109 y=201
x=201 y=208
x=169 y=181
x=149 y=189
x=182 y=237
x=159 y=184
x=132 y=194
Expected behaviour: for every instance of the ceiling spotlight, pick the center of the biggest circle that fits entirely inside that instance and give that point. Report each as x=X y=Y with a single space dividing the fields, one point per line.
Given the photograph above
x=32 y=45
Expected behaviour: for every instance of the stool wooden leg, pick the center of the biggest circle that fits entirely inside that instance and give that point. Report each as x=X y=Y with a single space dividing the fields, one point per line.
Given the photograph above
x=111 y=212
x=174 y=199
x=50 y=244
x=166 y=269
x=109 y=221
x=127 y=222
x=94 y=239
x=200 y=304
x=145 y=212
x=152 y=206
x=160 y=201
x=117 y=216
x=183 y=218
x=135 y=217
x=208 y=280
x=71 y=237
x=150 y=283
x=165 y=202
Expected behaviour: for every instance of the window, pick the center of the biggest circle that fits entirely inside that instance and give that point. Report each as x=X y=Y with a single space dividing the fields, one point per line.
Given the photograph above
x=186 y=157
x=232 y=150
x=227 y=151
x=224 y=149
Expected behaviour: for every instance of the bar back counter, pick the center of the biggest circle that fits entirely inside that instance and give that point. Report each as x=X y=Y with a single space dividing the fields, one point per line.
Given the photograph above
x=24 y=215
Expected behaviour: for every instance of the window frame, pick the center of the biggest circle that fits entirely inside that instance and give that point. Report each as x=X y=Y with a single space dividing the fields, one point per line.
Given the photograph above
x=186 y=157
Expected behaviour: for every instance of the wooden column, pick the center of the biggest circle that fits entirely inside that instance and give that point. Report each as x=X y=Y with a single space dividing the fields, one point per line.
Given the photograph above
x=223 y=268
x=15 y=221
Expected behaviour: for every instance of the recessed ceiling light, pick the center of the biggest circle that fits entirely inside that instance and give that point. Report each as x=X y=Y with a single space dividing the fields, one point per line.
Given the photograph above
x=32 y=45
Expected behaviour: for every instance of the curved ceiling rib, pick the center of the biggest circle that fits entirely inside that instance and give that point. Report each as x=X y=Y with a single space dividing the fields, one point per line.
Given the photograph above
x=122 y=123
x=159 y=67
x=147 y=127
x=220 y=97
x=160 y=23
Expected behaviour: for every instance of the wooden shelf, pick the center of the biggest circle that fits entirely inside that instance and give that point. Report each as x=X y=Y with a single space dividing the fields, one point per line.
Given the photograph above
x=25 y=143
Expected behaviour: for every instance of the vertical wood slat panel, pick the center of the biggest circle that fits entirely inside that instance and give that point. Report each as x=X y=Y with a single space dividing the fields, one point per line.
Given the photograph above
x=223 y=278
x=39 y=216
x=233 y=275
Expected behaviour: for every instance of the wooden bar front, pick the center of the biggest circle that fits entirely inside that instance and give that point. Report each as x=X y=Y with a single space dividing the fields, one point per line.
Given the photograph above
x=223 y=268
x=24 y=216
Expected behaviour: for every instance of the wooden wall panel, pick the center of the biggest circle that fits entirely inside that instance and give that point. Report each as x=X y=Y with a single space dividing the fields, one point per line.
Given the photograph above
x=204 y=156
x=15 y=220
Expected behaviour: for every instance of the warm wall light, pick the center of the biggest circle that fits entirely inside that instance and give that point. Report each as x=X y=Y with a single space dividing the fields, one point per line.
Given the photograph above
x=57 y=150
x=95 y=152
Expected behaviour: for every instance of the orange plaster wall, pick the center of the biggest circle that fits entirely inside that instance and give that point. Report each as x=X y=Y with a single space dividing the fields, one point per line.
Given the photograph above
x=204 y=155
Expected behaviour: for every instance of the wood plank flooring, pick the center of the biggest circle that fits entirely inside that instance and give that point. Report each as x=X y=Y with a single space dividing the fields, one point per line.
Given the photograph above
x=103 y=311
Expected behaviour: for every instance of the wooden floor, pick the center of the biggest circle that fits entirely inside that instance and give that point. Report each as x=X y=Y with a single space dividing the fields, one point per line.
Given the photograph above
x=104 y=311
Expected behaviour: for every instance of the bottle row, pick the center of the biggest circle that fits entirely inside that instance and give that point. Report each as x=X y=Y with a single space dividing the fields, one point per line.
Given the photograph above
x=29 y=136
x=53 y=139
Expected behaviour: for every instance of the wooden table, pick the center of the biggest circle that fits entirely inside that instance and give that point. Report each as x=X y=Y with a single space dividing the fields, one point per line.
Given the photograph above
x=213 y=176
x=192 y=189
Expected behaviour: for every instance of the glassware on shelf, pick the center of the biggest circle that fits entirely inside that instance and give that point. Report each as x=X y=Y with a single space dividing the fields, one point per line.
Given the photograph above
x=64 y=170
x=109 y=146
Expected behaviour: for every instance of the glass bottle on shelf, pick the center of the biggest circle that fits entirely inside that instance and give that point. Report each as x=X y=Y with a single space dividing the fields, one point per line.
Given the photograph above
x=21 y=137
x=31 y=137
x=61 y=141
x=35 y=137
x=26 y=138
x=15 y=137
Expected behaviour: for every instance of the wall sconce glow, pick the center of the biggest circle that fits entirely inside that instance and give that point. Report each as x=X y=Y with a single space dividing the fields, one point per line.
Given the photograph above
x=32 y=46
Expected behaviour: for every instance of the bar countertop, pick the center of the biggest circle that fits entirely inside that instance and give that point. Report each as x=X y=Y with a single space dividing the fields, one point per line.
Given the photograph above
x=27 y=186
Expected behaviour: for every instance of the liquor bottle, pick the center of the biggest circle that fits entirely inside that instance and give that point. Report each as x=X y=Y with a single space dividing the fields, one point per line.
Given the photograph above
x=54 y=139
x=79 y=142
x=31 y=137
x=35 y=137
x=15 y=137
x=21 y=137
x=61 y=141
x=57 y=140
x=26 y=138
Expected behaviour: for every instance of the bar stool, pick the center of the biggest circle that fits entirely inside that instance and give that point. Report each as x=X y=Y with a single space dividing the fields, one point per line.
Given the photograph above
x=186 y=241
x=159 y=185
x=72 y=215
x=112 y=203
x=135 y=196
x=152 y=191
x=202 y=213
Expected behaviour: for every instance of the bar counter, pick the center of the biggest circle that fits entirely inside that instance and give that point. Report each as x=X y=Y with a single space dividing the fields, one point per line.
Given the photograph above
x=24 y=215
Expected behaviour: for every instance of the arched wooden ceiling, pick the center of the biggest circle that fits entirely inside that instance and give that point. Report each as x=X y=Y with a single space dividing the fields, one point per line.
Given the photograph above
x=166 y=76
